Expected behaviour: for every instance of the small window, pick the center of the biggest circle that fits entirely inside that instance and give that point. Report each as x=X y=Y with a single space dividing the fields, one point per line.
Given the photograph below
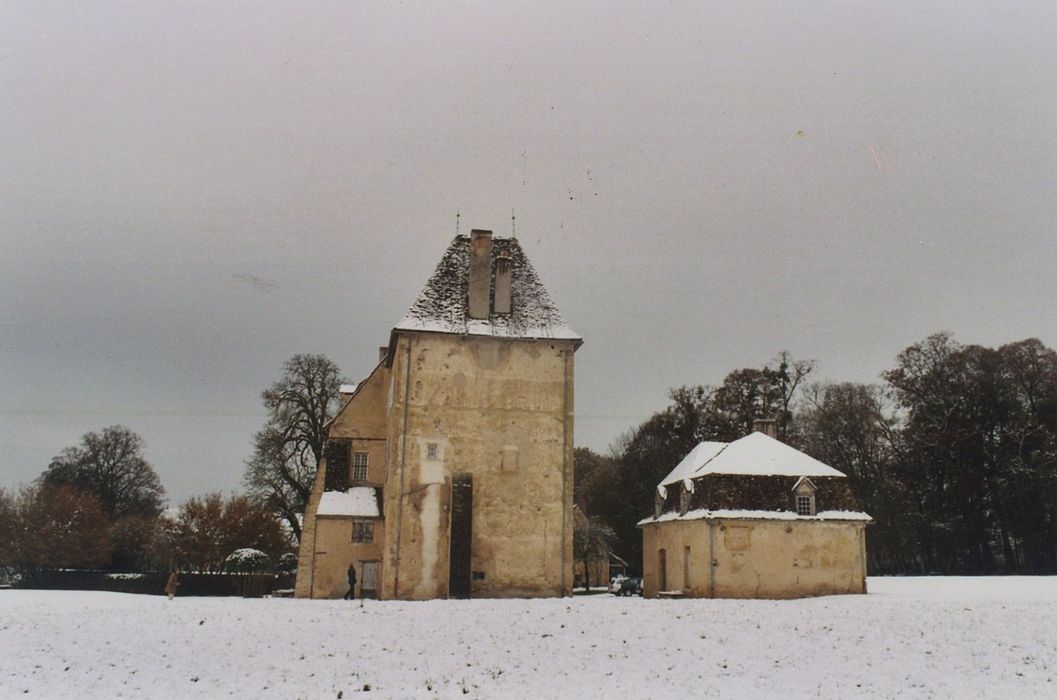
x=359 y=466
x=805 y=505
x=686 y=568
x=362 y=531
x=662 y=570
x=431 y=450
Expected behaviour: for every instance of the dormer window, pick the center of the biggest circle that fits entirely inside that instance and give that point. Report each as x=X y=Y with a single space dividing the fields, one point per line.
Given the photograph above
x=804 y=496
x=684 y=500
x=658 y=504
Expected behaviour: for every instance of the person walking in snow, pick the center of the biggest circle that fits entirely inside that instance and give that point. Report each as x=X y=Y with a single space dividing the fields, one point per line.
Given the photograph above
x=172 y=584
x=351 y=595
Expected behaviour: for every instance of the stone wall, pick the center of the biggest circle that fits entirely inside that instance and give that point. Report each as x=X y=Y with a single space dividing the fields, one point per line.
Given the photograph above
x=362 y=423
x=741 y=558
x=499 y=411
x=334 y=552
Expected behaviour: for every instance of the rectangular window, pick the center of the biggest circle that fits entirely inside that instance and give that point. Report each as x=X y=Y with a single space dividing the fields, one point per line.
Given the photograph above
x=662 y=570
x=686 y=568
x=362 y=531
x=359 y=466
x=804 y=506
x=431 y=450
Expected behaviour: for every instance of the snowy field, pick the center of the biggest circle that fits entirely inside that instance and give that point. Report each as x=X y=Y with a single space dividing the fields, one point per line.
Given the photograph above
x=910 y=637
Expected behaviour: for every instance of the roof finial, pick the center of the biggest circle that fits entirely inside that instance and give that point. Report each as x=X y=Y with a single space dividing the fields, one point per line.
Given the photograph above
x=457 y=215
x=513 y=224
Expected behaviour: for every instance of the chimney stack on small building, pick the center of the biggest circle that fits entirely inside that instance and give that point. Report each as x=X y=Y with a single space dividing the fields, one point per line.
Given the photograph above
x=480 y=273
x=767 y=426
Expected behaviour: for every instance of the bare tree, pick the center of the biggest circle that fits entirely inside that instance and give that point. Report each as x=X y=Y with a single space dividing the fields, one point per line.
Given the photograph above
x=289 y=447
x=110 y=465
x=789 y=376
x=8 y=528
x=592 y=540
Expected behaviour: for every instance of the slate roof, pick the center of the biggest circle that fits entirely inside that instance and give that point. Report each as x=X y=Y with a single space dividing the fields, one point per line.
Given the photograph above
x=441 y=307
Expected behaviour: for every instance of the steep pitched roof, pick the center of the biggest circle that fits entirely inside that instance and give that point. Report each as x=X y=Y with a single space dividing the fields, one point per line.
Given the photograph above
x=692 y=462
x=441 y=307
x=753 y=455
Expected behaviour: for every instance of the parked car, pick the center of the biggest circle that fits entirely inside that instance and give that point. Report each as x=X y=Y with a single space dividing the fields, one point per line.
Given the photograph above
x=631 y=585
x=616 y=582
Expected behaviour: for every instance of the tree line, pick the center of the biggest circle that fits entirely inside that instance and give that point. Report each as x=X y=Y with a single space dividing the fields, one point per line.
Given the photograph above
x=101 y=505
x=954 y=453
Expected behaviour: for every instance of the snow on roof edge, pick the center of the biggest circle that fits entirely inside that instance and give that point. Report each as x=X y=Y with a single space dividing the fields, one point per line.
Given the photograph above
x=357 y=502
x=732 y=514
x=756 y=454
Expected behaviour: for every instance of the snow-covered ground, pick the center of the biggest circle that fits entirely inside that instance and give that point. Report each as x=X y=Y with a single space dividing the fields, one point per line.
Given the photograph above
x=910 y=637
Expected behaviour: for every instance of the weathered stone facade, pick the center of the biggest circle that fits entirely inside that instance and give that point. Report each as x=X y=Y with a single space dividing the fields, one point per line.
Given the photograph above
x=754 y=558
x=467 y=427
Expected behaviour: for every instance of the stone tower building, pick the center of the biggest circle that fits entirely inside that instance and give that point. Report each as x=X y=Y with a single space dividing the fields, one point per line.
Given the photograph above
x=448 y=470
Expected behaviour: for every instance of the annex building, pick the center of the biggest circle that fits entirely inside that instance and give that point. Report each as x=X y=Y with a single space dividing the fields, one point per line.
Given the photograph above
x=448 y=470
x=753 y=518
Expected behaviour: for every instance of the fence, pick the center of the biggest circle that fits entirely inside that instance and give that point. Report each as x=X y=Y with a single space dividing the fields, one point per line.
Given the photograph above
x=191 y=584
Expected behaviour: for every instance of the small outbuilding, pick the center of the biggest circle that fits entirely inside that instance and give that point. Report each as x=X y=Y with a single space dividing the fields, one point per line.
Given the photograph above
x=753 y=518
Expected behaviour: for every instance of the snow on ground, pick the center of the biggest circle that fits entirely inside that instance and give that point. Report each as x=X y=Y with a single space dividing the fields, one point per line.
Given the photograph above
x=910 y=637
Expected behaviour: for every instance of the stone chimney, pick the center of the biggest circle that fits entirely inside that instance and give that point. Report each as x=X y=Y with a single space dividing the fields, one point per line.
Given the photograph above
x=503 y=282
x=767 y=426
x=480 y=273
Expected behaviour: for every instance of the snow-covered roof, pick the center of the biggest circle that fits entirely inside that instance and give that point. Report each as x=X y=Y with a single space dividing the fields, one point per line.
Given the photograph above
x=357 y=502
x=692 y=462
x=722 y=514
x=347 y=388
x=753 y=455
x=442 y=305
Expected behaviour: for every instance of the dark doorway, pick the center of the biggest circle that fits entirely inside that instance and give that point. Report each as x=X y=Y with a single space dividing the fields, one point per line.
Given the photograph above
x=461 y=533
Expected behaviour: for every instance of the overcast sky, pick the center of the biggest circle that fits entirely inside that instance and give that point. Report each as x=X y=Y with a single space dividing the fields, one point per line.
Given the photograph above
x=190 y=193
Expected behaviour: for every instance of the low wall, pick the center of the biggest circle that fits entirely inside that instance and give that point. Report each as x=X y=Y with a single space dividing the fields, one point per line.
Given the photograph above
x=244 y=585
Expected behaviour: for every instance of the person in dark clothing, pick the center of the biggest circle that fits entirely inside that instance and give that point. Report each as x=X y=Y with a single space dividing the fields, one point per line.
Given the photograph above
x=351 y=595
